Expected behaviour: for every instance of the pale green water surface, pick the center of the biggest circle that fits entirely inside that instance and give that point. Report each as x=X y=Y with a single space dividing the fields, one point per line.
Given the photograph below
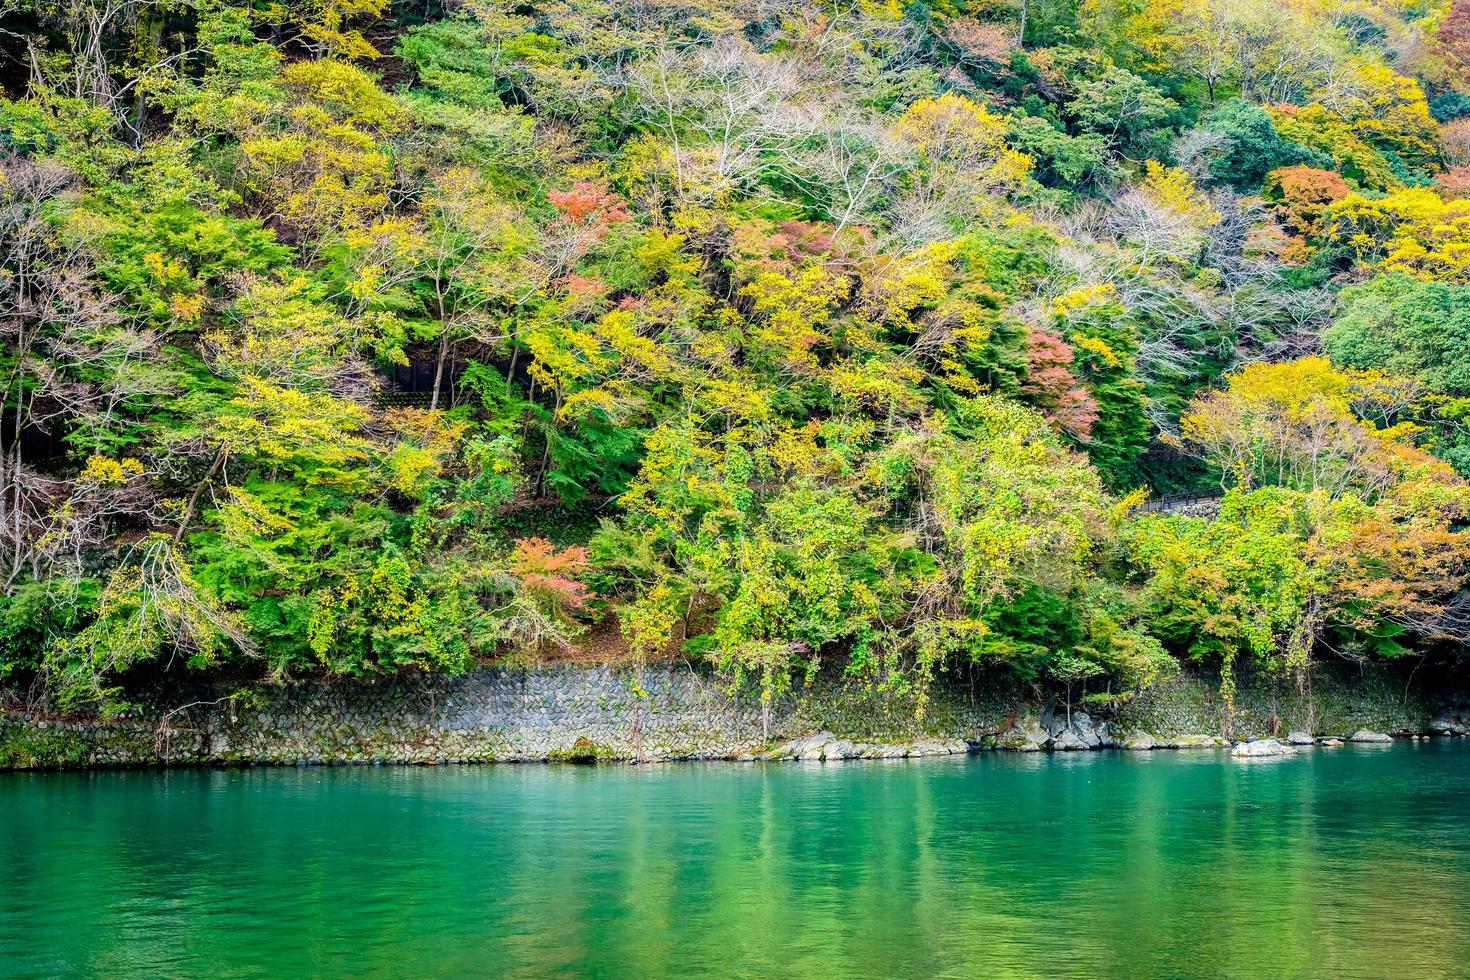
x=1352 y=862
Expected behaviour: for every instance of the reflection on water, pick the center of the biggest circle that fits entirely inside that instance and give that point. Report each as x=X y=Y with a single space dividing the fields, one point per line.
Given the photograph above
x=1340 y=863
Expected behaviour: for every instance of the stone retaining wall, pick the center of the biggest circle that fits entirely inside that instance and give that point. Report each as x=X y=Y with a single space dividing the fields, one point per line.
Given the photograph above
x=569 y=713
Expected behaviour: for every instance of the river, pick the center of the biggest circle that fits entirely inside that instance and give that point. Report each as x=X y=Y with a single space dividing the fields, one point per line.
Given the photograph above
x=1350 y=862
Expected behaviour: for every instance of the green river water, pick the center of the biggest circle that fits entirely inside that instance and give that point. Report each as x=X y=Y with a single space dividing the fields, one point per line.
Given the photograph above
x=1352 y=862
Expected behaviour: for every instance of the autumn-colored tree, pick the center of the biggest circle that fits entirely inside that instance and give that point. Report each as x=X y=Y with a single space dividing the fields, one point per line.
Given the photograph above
x=1300 y=197
x=1052 y=386
x=1312 y=427
x=843 y=320
x=1454 y=33
x=1415 y=231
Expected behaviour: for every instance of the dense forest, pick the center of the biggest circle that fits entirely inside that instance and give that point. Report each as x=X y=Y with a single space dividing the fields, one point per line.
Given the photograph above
x=355 y=337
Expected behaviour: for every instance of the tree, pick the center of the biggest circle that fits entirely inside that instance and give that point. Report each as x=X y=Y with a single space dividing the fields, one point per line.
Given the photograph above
x=1413 y=231
x=1311 y=427
x=1125 y=110
x=1454 y=33
x=1281 y=571
x=1252 y=146
x=1053 y=387
x=152 y=603
x=114 y=54
x=1417 y=330
x=477 y=258
x=314 y=148
x=1301 y=196
x=70 y=366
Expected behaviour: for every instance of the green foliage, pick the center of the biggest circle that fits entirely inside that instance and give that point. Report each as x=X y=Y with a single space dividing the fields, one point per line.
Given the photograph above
x=819 y=340
x=1252 y=147
x=1062 y=160
x=33 y=613
x=1123 y=110
x=1406 y=327
x=1238 y=585
x=1415 y=329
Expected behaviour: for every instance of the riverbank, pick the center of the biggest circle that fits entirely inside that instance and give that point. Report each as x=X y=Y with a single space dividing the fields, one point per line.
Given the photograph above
x=575 y=713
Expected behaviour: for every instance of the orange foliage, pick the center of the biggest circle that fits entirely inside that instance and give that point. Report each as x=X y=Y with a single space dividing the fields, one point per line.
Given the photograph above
x=542 y=568
x=980 y=41
x=1301 y=195
x=588 y=203
x=1454 y=183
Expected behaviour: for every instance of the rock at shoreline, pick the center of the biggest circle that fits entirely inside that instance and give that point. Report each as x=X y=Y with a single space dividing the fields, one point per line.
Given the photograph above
x=1069 y=741
x=809 y=747
x=1363 y=735
x=1139 y=741
x=1087 y=732
x=1330 y=743
x=1079 y=733
x=839 y=749
x=1452 y=721
x=1029 y=737
x=1300 y=738
x=826 y=747
x=1193 y=742
x=1266 y=748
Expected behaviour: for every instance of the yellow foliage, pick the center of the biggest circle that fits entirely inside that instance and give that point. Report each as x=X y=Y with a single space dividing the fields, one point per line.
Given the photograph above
x=909 y=283
x=883 y=9
x=321 y=155
x=1308 y=425
x=1378 y=108
x=739 y=397
x=325 y=26
x=881 y=384
x=284 y=425
x=429 y=438
x=1174 y=189
x=618 y=330
x=166 y=272
x=1082 y=297
x=280 y=333
x=1387 y=108
x=1414 y=231
x=110 y=472
x=966 y=137
x=794 y=310
x=1146 y=28
x=1098 y=346
x=952 y=127
x=186 y=309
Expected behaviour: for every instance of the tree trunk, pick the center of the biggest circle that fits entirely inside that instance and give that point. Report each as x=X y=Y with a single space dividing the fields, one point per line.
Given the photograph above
x=510 y=372
x=219 y=460
x=439 y=369
x=546 y=449
x=140 y=103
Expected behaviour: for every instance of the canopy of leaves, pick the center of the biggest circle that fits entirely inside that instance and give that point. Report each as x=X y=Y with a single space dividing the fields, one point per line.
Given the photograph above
x=361 y=337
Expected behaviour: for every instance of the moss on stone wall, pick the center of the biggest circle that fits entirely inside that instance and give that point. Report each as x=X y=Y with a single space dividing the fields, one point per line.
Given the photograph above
x=49 y=744
x=578 y=713
x=1328 y=702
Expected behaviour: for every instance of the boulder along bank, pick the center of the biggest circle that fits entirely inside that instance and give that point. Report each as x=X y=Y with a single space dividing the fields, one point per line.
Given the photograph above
x=575 y=714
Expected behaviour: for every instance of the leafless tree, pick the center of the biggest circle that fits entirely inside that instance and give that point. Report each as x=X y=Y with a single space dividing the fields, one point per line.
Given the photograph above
x=114 y=54
x=70 y=360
